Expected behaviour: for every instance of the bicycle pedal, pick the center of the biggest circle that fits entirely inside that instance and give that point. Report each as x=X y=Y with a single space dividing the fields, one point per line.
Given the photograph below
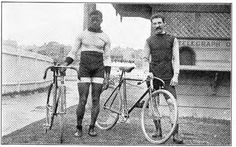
x=125 y=114
x=123 y=120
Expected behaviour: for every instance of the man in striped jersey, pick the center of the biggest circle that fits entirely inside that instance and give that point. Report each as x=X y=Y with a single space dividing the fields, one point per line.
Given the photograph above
x=94 y=48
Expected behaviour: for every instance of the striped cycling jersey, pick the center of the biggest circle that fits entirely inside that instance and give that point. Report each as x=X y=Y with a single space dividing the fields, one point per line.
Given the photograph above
x=94 y=42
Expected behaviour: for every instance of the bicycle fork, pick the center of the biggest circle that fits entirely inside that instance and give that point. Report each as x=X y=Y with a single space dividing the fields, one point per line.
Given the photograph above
x=62 y=109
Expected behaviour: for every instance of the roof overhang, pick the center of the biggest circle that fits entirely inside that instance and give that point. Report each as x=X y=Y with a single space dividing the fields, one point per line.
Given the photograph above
x=193 y=7
x=134 y=10
x=145 y=10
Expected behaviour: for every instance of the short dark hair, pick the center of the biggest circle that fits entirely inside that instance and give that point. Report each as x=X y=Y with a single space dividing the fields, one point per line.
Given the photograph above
x=96 y=12
x=158 y=16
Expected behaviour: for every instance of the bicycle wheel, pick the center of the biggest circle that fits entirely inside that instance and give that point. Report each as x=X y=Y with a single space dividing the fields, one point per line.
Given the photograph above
x=51 y=106
x=159 y=116
x=110 y=108
x=62 y=110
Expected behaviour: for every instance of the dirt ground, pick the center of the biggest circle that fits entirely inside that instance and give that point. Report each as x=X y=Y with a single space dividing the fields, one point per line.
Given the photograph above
x=194 y=131
x=23 y=119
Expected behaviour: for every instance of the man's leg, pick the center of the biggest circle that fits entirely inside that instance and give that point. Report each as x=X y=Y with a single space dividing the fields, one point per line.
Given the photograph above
x=176 y=137
x=83 y=89
x=96 y=92
x=156 y=121
x=158 y=132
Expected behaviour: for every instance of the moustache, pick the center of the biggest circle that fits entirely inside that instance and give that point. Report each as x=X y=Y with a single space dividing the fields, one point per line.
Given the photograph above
x=158 y=28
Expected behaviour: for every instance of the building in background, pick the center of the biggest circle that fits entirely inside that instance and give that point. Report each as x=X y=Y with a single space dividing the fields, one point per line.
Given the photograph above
x=204 y=33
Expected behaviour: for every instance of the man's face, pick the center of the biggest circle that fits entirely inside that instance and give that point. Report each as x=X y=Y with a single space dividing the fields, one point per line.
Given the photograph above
x=95 y=21
x=158 y=25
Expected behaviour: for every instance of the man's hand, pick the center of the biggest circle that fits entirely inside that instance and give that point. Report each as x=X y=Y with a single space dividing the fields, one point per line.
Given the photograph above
x=63 y=69
x=174 y=80
x=147 y=74
x=105 y=83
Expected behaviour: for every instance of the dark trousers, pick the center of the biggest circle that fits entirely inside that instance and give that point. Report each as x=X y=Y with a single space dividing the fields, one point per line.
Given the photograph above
x=157 y=84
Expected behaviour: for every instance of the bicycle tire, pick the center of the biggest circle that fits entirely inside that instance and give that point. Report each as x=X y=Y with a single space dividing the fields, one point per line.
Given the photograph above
x=55 y=108
x=107 y=118
x=49 y=108
x=159 y=110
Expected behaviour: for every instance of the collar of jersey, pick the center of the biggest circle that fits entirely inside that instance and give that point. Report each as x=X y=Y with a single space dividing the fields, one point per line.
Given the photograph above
x=95 y=30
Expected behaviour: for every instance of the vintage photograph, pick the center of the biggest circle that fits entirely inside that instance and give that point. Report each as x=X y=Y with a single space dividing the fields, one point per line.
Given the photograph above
x=87 y=73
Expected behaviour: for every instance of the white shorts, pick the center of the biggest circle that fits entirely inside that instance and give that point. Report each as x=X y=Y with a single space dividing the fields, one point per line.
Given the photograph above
x=97 y=80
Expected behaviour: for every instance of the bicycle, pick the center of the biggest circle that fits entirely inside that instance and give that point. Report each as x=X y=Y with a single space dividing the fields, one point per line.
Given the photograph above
x=155 y=107
x=56 y=98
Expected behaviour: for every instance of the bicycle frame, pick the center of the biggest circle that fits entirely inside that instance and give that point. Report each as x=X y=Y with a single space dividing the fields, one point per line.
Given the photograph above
x=61 y=95
x=151 y=113
x=58 y=99
x=122 y=80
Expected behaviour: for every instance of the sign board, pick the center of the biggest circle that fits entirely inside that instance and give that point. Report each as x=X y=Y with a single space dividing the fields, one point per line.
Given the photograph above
x=205 y=43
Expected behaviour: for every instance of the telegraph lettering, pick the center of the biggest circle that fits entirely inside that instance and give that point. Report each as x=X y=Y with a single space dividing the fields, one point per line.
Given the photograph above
x=202 y=43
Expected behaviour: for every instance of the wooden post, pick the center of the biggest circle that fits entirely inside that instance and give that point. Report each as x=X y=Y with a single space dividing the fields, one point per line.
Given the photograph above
x=88 y=7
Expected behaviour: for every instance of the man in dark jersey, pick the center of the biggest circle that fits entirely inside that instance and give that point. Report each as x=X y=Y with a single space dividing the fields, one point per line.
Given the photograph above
x=161 y=59
x=93 y=48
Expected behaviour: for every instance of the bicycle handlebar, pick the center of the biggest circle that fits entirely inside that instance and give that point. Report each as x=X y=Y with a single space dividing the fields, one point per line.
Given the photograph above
x=57 y=68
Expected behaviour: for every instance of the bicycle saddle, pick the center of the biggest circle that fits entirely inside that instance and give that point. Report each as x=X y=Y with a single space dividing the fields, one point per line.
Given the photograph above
x=126 y=69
